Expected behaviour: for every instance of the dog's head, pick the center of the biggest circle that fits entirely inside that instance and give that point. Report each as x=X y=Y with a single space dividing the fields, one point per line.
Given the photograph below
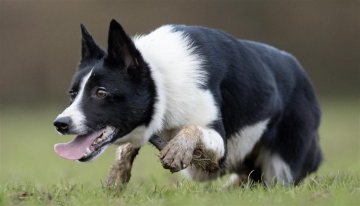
x=111 y=94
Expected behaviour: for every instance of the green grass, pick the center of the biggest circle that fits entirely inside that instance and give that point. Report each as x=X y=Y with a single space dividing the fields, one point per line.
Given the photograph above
x=31 y=172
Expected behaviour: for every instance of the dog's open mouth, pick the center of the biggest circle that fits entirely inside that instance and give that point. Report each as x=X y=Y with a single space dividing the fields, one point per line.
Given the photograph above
x=86 y=147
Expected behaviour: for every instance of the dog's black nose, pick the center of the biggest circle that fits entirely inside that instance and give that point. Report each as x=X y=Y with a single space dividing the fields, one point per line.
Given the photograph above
x=62 y=124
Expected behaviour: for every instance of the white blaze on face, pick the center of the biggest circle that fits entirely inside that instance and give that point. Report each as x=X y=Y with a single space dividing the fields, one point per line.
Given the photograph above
x=75 y=112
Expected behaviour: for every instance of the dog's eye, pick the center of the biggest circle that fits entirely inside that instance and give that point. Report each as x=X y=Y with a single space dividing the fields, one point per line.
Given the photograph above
x=72 y=95
x=101 y=93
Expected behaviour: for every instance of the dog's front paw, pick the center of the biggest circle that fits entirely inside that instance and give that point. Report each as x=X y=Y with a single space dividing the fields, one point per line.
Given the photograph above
x=117 y=177
x=178 y=153
x=120 y=171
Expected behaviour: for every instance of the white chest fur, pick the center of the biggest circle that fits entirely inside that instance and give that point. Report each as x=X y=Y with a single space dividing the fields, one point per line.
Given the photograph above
x=176 y=70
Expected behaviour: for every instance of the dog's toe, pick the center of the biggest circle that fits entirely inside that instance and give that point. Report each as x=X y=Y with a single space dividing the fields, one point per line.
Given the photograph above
x=176 y=156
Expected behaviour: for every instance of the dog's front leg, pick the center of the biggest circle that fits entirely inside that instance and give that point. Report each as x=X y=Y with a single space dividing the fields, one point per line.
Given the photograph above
x=179 y=152
x=120 y=171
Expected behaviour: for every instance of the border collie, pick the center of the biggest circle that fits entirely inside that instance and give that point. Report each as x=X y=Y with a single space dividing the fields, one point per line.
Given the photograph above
x=248 y=103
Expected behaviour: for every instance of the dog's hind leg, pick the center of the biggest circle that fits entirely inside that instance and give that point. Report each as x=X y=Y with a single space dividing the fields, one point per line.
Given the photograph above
x=120 y=171
x=275 y=169
x=236 y=180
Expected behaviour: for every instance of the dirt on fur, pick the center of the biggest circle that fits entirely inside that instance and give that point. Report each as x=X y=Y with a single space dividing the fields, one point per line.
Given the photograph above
x=185 y=149
x=120 y=171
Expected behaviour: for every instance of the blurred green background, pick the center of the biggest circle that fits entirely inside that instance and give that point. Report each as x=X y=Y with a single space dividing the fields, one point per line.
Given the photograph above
x=40 y=48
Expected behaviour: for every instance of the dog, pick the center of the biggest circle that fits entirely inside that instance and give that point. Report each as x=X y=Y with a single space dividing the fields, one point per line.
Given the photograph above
x=249 y=104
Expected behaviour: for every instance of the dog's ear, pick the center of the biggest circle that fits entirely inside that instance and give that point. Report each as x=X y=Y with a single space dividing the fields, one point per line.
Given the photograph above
x=89 y=48
x=121 y=49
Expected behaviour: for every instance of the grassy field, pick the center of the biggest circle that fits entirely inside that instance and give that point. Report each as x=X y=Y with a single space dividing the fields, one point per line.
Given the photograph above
x=31 y=172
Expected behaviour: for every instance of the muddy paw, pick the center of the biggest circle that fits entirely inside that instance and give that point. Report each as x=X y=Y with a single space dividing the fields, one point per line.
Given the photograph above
x=177 y=154
x=116 y=177
x=119 y=175
x=120 y=171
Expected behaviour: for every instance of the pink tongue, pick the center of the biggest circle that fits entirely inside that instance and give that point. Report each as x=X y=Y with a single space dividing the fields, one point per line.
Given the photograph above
x=76 y=149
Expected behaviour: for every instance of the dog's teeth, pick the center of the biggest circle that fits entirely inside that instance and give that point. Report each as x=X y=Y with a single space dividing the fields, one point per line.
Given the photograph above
x=108 y=129
x=102 y=137
x=88 y=151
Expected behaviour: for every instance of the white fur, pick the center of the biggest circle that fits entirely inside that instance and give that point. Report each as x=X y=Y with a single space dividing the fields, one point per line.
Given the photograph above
x=176 y=70
x=242 y=143
x=135 y=137
x=212 y=141
x=274 y=168
x=74 y=110
x=234 y=180
x=203 y=109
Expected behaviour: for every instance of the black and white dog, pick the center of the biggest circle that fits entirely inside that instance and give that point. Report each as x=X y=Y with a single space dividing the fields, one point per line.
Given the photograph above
x=252 y=105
